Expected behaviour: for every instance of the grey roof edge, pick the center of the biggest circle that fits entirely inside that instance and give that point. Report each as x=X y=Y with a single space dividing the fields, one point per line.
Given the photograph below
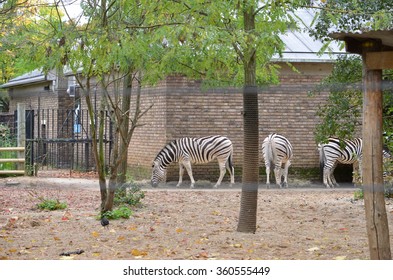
x=33 y=77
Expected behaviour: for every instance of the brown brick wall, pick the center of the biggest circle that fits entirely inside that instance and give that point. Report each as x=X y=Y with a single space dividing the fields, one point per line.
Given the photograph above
x=184 y=110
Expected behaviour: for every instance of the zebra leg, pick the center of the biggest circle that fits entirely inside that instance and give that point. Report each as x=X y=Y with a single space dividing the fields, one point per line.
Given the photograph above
x=187 y=165
x=326 y=172
x=331 y=181
x=278 y=175
x=267 y=175
x=332 y=178
x=181 y=171
x=231 y=171
x=222 y=173
x=285 y=173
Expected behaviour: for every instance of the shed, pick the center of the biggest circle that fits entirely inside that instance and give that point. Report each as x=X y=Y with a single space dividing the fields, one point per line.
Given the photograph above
x=376 y=48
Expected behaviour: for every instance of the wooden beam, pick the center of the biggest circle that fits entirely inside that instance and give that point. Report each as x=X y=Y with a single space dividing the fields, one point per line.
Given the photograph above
x=12 y=149
x=374 y=200
x=379 y=60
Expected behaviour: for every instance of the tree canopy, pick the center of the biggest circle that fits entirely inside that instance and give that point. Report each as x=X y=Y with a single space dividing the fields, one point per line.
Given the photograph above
x=351 y=16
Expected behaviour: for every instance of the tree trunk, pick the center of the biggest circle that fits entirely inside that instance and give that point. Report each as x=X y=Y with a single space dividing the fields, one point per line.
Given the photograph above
x=249 y=196
x=374 y=200
x=111 y=193
x=125 y=123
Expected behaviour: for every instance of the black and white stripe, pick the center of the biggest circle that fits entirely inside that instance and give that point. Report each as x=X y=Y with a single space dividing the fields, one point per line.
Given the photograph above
x=332 y=153
x=277 y=151
x=194 y=150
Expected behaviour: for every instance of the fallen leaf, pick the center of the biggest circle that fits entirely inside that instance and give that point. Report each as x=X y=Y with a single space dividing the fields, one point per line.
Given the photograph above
x=95 y=234
x=67 y=257
x=203 y=255
x=179 y=230
x=137 y=253
x=313 y=249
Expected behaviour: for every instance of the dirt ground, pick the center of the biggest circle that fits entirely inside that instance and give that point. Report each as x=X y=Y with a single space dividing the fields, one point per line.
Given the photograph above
x=294 y=223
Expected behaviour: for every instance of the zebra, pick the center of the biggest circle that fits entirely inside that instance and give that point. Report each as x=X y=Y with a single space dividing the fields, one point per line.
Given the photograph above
x=194 y=150
x=331 y=153
x=277 y=151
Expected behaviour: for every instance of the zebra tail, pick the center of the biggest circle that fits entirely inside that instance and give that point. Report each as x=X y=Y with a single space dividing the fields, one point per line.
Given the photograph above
x=321 y=158
x=270 y=153
x=230 y=162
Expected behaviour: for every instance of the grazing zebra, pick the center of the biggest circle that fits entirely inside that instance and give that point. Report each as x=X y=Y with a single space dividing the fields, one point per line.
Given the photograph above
x=331 y=153
x=277 y=150
x=194 y=150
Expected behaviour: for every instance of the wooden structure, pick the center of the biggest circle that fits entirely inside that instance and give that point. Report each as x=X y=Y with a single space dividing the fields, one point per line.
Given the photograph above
x=376 y=49
x=19 y=160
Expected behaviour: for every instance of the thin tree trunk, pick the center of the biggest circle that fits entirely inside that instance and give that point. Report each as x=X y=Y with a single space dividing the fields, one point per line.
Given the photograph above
x=249 y=195
x=125 y=108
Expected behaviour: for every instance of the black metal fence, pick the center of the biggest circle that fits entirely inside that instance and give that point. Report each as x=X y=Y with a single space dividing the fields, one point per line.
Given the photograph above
x=61 y=139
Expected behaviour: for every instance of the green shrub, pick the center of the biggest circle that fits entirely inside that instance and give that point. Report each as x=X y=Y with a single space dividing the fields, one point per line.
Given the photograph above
x=51 y=205
x=129 y=194
x=121 y=212
x=358 y=194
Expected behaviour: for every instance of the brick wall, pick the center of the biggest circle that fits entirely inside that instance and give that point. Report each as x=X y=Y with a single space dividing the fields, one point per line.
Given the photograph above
x=182 y=109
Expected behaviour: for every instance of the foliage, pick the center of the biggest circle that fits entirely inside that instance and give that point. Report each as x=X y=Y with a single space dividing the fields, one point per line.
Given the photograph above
x=358 y=194
x=341 y=115
x=6 y=140
x=129 y=194
x=23 y=24
x=51 y=204
x=213 y=44
x=388 y=193
x=4 y=102
x=115 y=214
x=352 y=16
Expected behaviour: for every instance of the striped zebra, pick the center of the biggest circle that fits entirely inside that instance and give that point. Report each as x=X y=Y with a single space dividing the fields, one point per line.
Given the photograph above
x=331 y=153
x=277 y=151
x=194 y=150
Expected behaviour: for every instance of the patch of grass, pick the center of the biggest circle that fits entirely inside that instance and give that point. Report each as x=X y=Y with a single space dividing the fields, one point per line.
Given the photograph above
x=51 y=205
x=129 y=194
x=118 y=213
x=358 y=194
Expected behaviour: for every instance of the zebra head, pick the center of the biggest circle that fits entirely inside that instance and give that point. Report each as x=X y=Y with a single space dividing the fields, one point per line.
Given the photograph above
x=158 y=173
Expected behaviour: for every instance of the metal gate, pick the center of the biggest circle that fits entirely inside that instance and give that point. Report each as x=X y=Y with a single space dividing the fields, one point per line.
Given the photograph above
x=61 y=139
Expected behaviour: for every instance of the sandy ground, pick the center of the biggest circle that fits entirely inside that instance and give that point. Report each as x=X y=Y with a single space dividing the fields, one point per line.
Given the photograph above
x=295 y=223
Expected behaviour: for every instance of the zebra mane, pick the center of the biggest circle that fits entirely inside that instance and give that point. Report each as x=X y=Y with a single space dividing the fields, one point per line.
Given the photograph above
x=167 y=155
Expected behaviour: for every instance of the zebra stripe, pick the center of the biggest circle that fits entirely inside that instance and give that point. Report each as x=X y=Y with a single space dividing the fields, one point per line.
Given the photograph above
x=277 y=150
x=194 y=150
x=332 y=153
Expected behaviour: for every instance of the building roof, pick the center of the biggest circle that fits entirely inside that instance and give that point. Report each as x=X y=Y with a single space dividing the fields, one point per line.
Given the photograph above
x=35 y=76
x=353 y=40
x=300 y=47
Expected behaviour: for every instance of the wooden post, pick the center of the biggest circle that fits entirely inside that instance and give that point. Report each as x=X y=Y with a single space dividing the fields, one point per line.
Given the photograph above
x=21 y=115
x=376 y=218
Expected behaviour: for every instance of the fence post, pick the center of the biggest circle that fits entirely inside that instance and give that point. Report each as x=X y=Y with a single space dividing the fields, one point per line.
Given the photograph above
x=21 y=140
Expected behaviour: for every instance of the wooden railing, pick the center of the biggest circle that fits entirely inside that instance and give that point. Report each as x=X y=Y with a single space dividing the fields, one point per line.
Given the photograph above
x=20 y=159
